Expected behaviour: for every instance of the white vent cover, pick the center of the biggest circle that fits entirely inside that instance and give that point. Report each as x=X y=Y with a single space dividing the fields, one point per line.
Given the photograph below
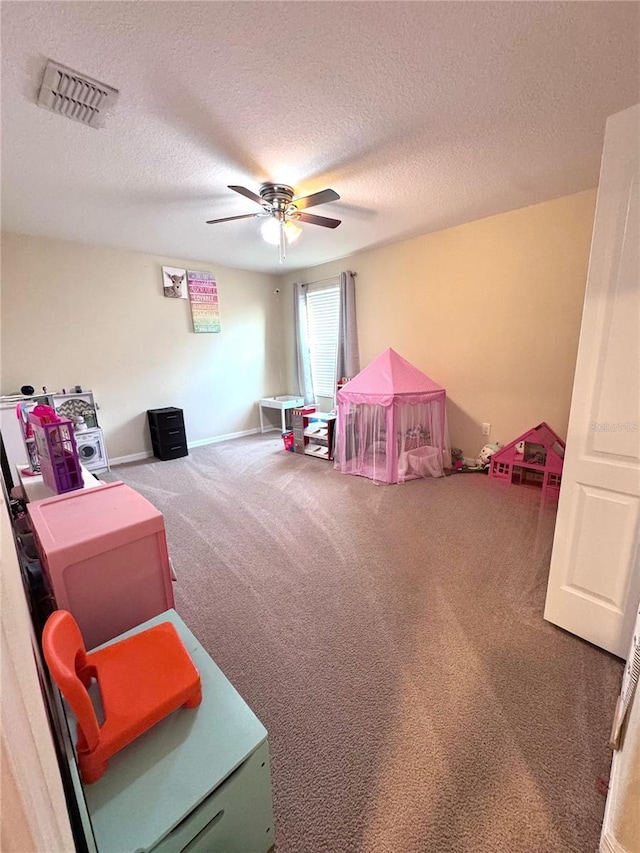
x=75 y=95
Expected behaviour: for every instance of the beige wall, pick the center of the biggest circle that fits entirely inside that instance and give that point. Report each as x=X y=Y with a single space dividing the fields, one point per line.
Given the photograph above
x=97 y=317
x=490 y=309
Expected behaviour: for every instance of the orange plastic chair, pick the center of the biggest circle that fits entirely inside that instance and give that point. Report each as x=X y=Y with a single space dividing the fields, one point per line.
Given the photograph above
x=142 y=680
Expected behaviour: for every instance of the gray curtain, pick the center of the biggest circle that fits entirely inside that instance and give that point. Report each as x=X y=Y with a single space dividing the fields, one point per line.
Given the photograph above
x=348 y=361
x=303 y=380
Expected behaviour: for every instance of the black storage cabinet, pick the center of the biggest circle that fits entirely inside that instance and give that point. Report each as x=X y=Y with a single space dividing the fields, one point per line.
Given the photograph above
x=168 y=438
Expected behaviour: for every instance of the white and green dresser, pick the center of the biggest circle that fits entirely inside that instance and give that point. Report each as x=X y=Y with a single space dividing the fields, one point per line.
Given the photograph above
x=198 y=782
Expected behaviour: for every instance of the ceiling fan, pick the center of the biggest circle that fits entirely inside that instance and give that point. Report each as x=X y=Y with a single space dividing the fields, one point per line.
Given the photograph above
x=282 y=212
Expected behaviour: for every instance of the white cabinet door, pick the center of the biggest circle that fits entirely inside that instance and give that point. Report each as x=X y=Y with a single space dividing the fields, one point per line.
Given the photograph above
x=594 y=582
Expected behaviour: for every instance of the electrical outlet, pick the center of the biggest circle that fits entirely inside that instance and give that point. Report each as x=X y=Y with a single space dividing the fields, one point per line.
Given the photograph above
x=486 y=429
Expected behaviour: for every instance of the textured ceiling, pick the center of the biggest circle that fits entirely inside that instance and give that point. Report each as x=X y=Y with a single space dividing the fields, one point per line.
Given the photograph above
x=421 y=115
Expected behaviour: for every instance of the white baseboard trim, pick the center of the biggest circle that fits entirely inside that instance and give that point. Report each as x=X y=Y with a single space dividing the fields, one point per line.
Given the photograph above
x=608 y=844
x=608 y=841
x=201 y=442
x=132 y=457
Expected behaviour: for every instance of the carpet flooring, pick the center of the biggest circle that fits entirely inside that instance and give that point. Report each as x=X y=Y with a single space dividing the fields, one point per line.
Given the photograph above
x=391 y=639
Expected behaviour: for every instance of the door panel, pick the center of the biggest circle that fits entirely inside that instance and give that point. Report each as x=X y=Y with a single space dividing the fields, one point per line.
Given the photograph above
x=598 y=511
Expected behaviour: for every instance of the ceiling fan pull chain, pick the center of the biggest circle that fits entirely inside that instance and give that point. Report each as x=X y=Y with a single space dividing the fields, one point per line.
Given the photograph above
x=281 y=244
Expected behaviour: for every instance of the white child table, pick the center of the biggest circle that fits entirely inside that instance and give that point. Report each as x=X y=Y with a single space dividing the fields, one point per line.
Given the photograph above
x=284 y=402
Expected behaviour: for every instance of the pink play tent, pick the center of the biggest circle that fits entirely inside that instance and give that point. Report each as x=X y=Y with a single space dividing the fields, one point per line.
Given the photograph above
x=392 y=423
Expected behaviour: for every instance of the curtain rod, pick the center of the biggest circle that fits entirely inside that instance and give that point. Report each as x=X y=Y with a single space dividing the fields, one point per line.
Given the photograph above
x=322 y=280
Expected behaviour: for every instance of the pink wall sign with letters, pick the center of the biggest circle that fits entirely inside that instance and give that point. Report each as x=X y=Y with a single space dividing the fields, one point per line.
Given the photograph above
x=203 y=296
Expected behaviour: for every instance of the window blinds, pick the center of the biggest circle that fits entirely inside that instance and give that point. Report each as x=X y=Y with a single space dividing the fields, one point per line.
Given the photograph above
x=323 y=315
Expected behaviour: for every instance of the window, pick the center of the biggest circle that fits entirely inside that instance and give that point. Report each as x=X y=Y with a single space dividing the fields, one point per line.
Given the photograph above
x=323 y=317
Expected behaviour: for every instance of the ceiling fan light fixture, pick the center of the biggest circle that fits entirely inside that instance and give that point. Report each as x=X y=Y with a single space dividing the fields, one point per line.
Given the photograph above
x=292 y=231
x=283 y=212
x=270 y=230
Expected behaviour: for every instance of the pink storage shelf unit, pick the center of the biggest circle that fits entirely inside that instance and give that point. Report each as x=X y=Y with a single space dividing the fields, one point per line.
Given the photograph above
x=104 y=552
x=535 y=458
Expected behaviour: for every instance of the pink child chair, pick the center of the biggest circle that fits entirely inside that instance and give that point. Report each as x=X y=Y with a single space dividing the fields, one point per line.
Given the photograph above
x=142 y=679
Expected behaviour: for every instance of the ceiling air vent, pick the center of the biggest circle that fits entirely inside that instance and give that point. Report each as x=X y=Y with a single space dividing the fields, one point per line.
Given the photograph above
x=75 y=95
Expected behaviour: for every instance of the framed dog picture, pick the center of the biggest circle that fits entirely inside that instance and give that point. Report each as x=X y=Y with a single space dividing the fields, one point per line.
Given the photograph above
x=174 y=283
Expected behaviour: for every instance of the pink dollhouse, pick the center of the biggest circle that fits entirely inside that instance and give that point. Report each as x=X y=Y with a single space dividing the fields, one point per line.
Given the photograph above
x=533 y=459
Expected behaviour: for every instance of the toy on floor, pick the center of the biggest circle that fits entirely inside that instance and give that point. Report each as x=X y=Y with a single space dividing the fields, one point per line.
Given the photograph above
x=457 y=459
x=481 y=463
x=533 y=459
x=486 y=454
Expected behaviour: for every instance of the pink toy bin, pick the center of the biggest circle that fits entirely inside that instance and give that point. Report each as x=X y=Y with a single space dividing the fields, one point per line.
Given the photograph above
x=288 y=440
x=104 y=552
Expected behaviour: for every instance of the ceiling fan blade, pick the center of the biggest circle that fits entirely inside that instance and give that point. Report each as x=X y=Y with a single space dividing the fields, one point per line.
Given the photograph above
x=231 y=218
x=312 y=219
x=248 y=194
x=315 y=198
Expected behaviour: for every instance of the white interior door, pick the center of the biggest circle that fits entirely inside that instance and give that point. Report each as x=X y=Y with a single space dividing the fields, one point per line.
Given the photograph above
x=594 y=582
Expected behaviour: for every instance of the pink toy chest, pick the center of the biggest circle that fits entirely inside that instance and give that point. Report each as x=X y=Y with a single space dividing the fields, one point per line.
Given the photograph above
x=104 y=551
